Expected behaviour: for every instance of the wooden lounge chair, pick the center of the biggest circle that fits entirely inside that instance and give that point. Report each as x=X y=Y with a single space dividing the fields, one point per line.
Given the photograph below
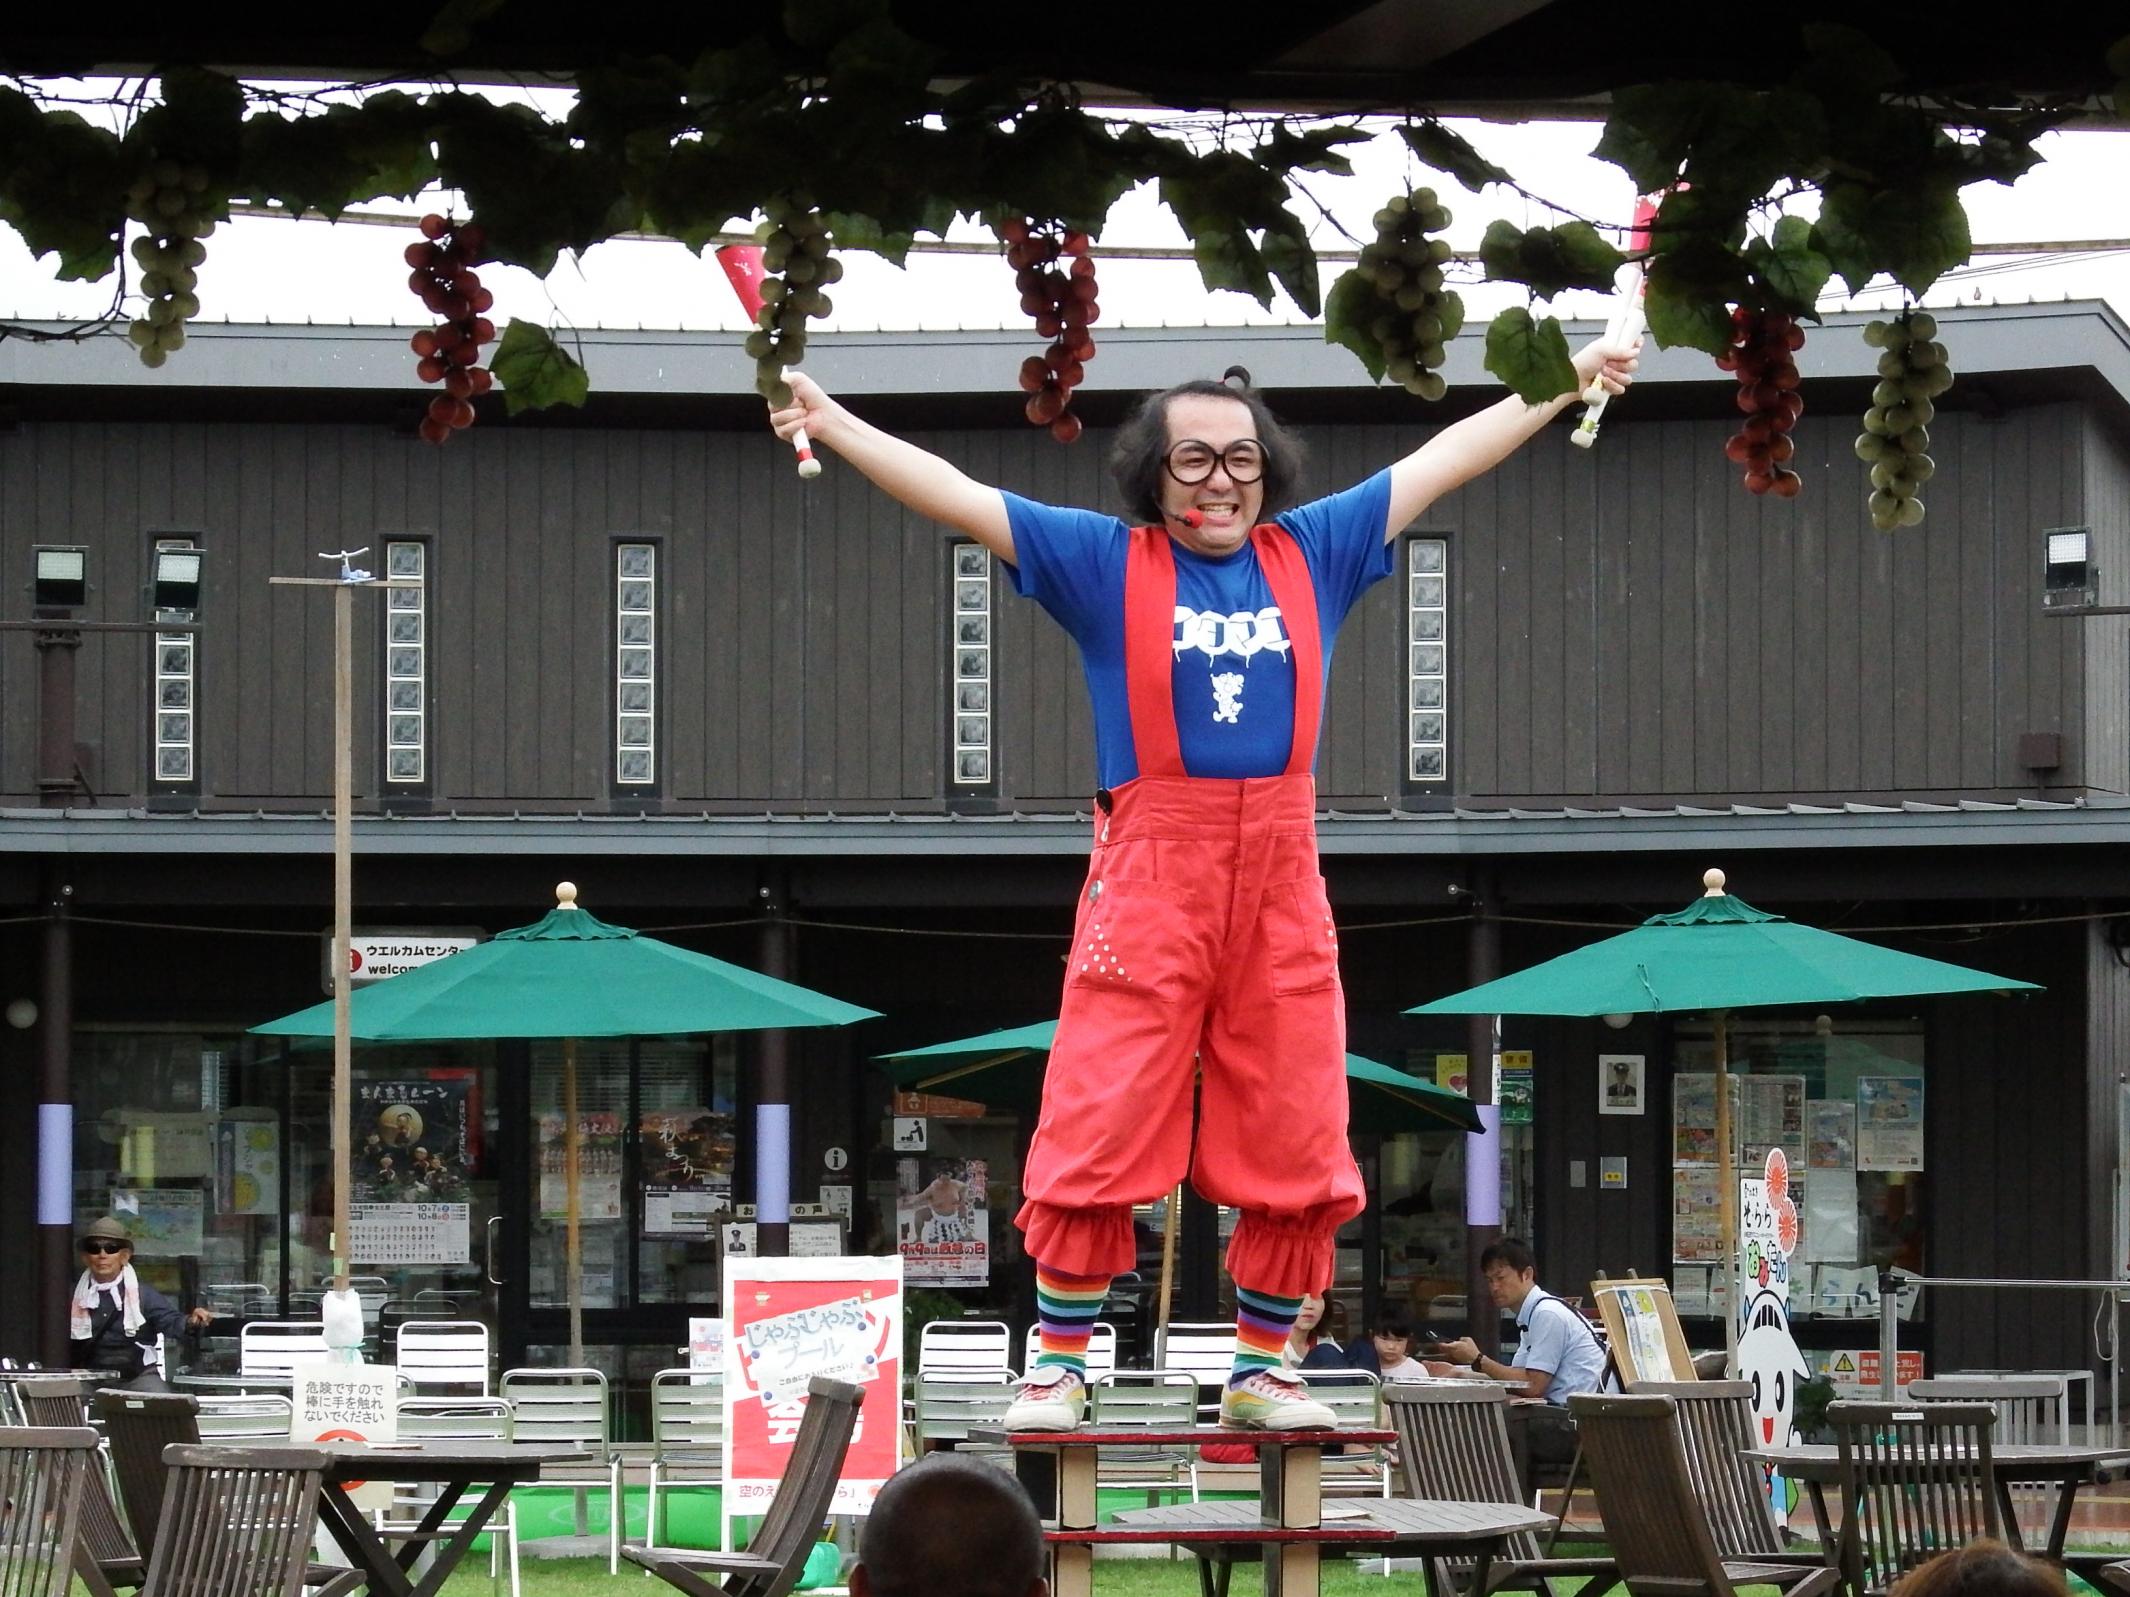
x=776 y=1556
x=56 y=1401
x=42 y=1472
x=1453 y=1446
x=239 y=1519
x=1659 y=1532
x=1917 y=1480
x=1716 y=1427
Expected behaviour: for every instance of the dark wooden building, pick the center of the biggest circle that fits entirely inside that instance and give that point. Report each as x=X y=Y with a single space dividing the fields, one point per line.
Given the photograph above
x=789 y=723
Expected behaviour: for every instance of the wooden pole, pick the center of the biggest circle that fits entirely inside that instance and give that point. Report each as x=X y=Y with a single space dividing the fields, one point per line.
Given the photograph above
x=573 y=1243
x=1168 y=1259
x=343 y=917
x=1727 y=1193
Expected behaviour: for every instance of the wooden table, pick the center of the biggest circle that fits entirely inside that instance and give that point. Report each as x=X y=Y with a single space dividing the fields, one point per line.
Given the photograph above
x=1432 y=1528
x=1818 y=1465
x=457 y=1466
x=1060 y=1469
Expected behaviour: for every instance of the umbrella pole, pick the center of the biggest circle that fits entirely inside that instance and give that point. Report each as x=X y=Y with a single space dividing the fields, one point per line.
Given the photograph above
x=1727 y=1192
x=1168 y=1259
x=343 y=916
x=573 y=1245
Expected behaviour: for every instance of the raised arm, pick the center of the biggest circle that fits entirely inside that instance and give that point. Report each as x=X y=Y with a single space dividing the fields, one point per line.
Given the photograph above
x=920 y=479
x=1476 y=445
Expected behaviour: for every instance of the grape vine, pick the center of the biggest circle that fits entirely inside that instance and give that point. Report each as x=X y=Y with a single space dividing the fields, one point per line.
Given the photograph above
x=1064 y=302
x=444 y=280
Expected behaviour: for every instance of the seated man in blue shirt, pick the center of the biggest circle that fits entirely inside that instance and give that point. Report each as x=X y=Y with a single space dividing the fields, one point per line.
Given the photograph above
x=1557 y=1353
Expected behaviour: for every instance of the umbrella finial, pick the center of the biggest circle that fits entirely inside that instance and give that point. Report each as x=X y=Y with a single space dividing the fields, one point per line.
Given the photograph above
x=1712 y=880
x=565 y=895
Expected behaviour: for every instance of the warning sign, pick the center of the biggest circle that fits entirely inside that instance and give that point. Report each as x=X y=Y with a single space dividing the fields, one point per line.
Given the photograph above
x=1855 y=1372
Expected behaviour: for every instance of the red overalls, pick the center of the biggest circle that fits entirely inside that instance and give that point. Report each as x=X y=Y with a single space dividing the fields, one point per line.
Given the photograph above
x=1203 y=943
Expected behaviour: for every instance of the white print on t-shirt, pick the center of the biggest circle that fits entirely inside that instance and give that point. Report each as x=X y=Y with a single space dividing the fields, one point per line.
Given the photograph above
x=1214 y=634
x=1227 y=696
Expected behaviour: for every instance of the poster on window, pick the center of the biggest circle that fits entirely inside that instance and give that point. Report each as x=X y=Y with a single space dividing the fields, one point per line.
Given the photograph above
x=791 y=1320
x=598 y=1166
x=416 y=1137
x=1696 y=1223
x=685 y=1155
x=943 y=1221
x=1693 y=1118
x=165 y=1221
x=1830 y=1134
x=248 y=1167
x=1889 y=1122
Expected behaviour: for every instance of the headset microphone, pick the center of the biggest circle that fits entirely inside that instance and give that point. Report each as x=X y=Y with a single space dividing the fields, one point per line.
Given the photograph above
x=1191 y=518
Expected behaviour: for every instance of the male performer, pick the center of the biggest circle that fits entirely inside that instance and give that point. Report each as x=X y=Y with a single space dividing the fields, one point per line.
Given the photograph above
x=1203 y=940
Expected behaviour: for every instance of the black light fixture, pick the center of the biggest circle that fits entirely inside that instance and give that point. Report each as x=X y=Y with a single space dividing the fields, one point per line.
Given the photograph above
x=2067 y=575
x=61 y=580
x=177 y=579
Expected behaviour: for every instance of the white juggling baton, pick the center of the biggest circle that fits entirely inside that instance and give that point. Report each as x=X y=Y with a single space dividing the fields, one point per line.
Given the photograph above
x=1627 y=321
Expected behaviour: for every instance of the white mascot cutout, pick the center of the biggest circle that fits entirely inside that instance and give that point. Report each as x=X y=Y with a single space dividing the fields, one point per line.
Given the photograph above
x=1768 y=1354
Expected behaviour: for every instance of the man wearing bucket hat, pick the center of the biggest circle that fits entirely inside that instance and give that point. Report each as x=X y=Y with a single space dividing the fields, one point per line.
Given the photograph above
x=117 y=1320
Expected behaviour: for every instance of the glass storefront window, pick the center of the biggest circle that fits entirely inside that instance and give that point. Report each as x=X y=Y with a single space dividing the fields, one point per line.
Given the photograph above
x=1844 y=1098
x=948 y=1207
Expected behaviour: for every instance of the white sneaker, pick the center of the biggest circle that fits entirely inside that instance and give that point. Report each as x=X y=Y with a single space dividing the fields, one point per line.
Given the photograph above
x=1052 y=1399
x=1274 y=1400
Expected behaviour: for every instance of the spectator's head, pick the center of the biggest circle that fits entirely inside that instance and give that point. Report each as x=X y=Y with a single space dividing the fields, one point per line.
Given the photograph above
x=951 y=1526
x=1511 y=1271
x=106 y=1248
x=1393 y=1336
x=1982 y=1568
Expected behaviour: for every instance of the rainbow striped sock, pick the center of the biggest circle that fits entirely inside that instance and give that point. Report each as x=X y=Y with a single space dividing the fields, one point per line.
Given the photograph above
x=1262 y=1323
x=1066 y=1307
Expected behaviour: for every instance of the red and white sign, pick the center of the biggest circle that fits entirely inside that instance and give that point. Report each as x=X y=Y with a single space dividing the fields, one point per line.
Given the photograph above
x=348 y=1403
x=1856 y=1372
x=789 y=1320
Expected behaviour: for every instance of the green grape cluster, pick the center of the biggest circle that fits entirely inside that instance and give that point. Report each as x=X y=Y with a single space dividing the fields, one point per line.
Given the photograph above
x=1415 y=315
x=1913 y=372
x=798 y=269
x=170 y=200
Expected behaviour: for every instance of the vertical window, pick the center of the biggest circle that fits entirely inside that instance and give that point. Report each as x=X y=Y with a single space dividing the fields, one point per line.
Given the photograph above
x=1427 y=671
x=635 y=664
x=969 y=659
x=406 y=662
x=172 y=712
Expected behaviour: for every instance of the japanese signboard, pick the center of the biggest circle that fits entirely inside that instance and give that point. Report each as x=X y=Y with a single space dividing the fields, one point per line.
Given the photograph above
x=790 y=1320
x=408 y=1233
x=348 y=1403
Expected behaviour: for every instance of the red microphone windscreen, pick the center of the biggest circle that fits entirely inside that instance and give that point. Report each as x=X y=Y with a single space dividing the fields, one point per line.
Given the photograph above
x=743 y=269
x=1191 y=519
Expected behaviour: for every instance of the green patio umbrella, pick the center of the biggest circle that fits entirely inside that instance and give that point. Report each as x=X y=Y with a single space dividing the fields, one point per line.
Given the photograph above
x=1716 y=955
x=1003 y=1067
x=569 y=975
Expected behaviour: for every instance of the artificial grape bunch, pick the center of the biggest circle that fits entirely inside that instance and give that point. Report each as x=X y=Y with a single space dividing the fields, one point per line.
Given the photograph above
x=1063 y=300
x=1763 y=352
x=170 y=200
x=1415 y=314
x=449 y=353
x=798 y=269
x=1913 y=371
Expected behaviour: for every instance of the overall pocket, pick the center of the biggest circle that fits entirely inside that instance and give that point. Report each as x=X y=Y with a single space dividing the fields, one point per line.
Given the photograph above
x=1132 y=937
x=1301 y=939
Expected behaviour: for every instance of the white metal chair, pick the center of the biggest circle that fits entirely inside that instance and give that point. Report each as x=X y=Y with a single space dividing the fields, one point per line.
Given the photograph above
x=279 y=1347
x=1204 y=1349
x=2029 y=1408
x=1147 y=1400
x=946 y=1348
x=260 y=1417
x=454 y=1419
x=569 y=1407
x=687 y=1438
x=945 y=1407
x=444 y=1353
x=1101 y=1348
x=1356 y=1397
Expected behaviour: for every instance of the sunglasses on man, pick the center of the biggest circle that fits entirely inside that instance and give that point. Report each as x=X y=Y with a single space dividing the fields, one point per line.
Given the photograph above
x=100 y=1246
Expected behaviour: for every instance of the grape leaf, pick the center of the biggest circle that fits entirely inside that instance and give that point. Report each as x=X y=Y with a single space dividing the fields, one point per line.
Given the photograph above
x=62 y=187
x=1445 y=151
x=1834 y=237
x=1917 y=233
x=1348 y=309
x=1792 y=269
x=1309 y=150
x=820 y=24
x=1653 y=126
x=1687 y=293
x=1450 y=307
x=535 y=371
x=1287 y=255
x=1531 y=357
x=1853 y=53
x=451 y=30
x=1549 y=259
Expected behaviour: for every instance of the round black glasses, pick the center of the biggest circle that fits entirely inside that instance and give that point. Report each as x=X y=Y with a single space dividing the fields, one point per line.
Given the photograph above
x=1191 y=462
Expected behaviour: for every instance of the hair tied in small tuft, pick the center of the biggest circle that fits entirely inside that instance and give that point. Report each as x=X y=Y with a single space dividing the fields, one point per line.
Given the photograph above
x=1236 y=377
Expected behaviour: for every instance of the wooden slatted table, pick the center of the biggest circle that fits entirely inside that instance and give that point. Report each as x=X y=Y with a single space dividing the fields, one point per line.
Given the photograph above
x=1059 y=1468
x=1432 y=1528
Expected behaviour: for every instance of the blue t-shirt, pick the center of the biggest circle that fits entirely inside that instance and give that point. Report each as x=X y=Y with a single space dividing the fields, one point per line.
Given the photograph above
x=1233 y=677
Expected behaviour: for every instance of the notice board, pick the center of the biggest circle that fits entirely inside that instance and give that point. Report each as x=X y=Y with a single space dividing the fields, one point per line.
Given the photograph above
x=1642 y=1328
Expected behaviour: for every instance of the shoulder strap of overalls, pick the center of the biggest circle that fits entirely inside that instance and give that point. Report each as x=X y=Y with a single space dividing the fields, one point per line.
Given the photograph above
x=1150 y=657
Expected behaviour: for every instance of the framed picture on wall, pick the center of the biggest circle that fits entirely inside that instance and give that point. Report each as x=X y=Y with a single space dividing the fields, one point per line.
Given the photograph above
x=1620 y=1079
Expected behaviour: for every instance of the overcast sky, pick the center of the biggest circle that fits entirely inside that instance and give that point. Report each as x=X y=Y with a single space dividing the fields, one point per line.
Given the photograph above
x=273 y=269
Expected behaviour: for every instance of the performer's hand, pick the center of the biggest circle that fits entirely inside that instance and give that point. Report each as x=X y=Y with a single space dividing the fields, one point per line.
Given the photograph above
x=1615 y=368
x=811 y=408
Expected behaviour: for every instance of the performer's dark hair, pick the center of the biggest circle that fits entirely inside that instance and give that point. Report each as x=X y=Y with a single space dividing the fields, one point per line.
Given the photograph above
x=1516 y=1255
x=1142 y=443
x=1983 y=1568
